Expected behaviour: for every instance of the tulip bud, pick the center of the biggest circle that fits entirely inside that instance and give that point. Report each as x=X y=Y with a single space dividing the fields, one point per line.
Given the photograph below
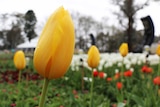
x=119 y=85
x=123 y=49
x=158 y=50
x=19 y=60
x=55 y=48
x=93 y=57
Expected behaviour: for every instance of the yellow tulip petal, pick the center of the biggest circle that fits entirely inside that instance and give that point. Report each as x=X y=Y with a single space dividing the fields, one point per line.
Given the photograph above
x=93 y=57
x=123 y=49
x=19 y=60
x=55 y=47
x=158 y=50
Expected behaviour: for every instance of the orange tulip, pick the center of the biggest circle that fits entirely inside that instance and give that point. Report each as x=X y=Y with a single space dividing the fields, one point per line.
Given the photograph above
x=123 y=49
x=55 y=48
x=158 y=50
x=19 y=60
x=93 y=57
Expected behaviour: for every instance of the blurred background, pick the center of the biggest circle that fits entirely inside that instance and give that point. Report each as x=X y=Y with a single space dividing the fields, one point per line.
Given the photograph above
x=109 y=22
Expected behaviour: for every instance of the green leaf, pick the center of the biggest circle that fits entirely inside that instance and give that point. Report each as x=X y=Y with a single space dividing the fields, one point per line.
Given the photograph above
x=137 y=99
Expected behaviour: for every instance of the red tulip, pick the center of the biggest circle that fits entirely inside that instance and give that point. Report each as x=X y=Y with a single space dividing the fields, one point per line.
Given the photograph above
x=128 y=73
x=117 y=75
x=156 y=80
x=102 y=75
x=95 y=73
x=146 y=69
x=119 y=85
x=109 y=79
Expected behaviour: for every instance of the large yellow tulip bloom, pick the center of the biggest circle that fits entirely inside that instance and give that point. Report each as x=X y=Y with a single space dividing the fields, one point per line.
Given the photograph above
x=93 y=57
x=158 y=50
x=55 y=47
x=19 y=60
x=123 y=49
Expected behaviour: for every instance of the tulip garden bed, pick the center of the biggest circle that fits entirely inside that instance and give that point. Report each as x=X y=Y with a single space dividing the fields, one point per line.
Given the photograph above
x=136 y=86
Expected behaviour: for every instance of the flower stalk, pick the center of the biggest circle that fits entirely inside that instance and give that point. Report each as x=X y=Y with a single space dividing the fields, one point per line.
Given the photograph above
x=122 y=69
x=19 y=76
x=44 y=92
x=19 y=85
x=91 y=91
x=159 y=67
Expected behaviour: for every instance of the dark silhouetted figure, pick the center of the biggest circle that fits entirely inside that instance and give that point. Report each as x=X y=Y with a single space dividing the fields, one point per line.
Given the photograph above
x=93 y=39
x=148 y=30
x=148 y=37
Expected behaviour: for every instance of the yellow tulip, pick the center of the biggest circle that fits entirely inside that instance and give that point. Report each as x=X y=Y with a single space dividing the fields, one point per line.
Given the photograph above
x=55 y=48
x=123 y=49
x=19 y=60
x=158 y=50
x=93 y=57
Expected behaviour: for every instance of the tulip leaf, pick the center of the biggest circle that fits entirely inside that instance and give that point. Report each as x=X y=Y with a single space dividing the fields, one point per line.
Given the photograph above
x=137 y=99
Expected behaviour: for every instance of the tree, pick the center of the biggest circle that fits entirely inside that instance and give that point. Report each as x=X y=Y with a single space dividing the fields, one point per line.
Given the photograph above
x=128 y=11
x=102 y=42
x=14 y=37
x=30 y=22
x=84 y=26
x=11 y=30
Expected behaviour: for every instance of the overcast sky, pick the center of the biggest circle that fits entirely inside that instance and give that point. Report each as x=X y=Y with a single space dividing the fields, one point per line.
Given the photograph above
x=95 y=8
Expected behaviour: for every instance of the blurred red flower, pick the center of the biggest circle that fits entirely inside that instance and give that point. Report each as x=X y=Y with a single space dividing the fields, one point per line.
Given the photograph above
x=109 y=79
x=146 y=69
x=74 y=92
x=128 y=73
x=13 y=105
x=156 y=80
x=117 y=75
x=102 y=75
x=95 y=73
x=119 y=85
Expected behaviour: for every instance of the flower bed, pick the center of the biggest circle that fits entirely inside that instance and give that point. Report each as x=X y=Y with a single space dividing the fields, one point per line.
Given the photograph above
x=137 y=85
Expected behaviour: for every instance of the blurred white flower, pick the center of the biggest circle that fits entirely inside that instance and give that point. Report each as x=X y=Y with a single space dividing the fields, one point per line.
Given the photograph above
x=87 y=79
x=27 y=60
x=66 y=78
x=134 y=61
x=132 y=69
x=109 y=59
x=128 y=66
x=119 y=64
x=77 y=68
x=116 y=71
x=100 y=67
x=72 y=68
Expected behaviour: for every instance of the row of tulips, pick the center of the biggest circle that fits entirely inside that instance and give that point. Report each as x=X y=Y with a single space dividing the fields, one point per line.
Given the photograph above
x=107 y=88
x=113 y=80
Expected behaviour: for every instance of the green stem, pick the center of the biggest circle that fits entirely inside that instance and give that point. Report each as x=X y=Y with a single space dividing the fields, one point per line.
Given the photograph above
x=122 y=69
x=122 y=77
x=159 y=67
x=82 y=81
x=44 y=91
x=91 y=91
x=19 y=76
x=19 y=85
